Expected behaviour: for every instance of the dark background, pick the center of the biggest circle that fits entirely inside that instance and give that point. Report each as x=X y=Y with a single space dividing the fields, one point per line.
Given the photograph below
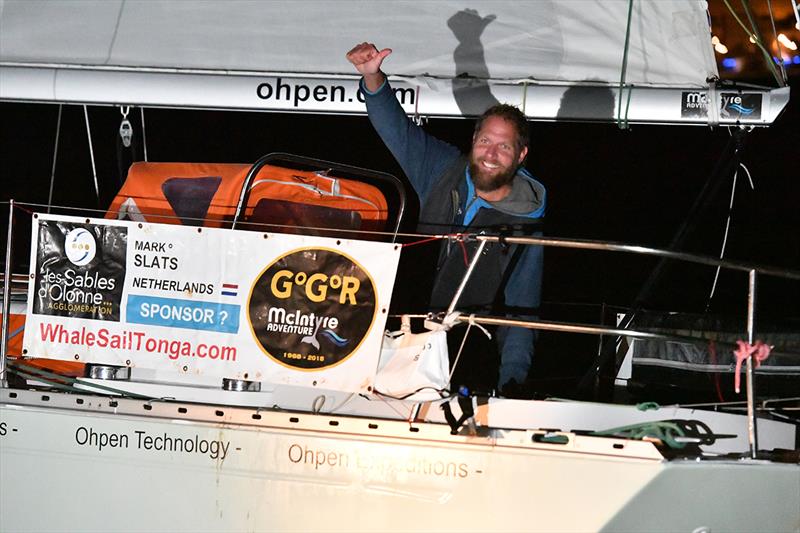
x=636 y=186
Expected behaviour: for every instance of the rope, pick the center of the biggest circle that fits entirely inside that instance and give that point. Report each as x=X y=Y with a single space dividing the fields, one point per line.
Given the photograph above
x=623 y=123
x=385 y=399
x=759 y=351
x=51 y=384
x=55 y=157
x=91 y=152
x=463 y=251
x=712 y=352
x=648 y=406
x=25 y=210
x=421 y=241
x=451 y=318
x=666 y=432
x=16 y=332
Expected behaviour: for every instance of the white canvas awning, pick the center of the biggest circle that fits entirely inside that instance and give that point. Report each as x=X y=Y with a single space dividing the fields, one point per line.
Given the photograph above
x=556 y=59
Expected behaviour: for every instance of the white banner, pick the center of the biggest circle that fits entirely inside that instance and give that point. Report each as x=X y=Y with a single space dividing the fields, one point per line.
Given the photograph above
x=244 y=305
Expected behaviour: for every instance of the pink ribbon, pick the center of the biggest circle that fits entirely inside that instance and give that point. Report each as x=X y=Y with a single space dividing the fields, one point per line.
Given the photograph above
x=759 y=351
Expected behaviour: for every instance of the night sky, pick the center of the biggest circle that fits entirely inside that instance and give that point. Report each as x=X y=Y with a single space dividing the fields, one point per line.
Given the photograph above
x=635 y=186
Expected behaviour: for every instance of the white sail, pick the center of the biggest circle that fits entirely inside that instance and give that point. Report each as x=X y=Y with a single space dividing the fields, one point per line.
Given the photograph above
x=555 y=59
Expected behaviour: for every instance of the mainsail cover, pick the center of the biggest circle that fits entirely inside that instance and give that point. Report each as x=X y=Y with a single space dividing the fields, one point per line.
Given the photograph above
x=451 y=58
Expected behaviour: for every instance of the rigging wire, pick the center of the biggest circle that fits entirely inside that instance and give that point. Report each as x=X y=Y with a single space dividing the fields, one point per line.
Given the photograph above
x=757 y=32
x=724 y=240
x=91 y=152
x=55 y=157
x=727 y=229
x=757 y=40
x=144 y=134
x=778 y=43
x=623 y=122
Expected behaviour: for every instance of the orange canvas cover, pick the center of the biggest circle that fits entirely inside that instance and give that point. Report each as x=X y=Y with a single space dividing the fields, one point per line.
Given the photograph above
x=16 y=330
x=207 y=193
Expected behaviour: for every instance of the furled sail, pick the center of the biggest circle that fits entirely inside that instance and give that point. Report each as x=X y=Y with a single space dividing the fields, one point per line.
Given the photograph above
x=558 y=60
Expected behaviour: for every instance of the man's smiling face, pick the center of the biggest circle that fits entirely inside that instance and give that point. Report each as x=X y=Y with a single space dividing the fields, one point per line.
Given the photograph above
x=495 y=156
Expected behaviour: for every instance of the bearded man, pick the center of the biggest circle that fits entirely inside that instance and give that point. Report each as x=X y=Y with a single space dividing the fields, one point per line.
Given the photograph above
x=487 y=191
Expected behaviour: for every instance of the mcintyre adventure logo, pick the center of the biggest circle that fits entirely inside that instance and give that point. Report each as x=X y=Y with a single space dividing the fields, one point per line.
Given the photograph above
x=744 y=106
x=79 y=270
x=732 y=105
x=311 y=308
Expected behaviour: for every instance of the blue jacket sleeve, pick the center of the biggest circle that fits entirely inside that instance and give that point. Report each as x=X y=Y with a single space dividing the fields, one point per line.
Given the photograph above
x=522 y=291
x=422 y=156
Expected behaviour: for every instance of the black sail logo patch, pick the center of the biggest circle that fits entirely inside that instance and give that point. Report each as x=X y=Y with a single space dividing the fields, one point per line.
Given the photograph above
x=312 y=308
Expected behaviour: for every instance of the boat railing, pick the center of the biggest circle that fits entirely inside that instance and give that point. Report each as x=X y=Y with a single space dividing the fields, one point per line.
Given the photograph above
x=752 y=270
x=483 y=239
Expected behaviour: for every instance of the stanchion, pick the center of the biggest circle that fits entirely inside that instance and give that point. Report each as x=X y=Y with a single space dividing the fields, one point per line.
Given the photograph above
x=752 y=432
x=6 y=296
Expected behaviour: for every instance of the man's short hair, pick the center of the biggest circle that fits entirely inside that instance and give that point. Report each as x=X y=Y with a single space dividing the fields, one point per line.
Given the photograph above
x=513 y=115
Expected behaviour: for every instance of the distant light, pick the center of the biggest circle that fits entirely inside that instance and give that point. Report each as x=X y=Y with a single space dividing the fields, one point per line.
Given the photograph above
x=796 y=60
x=730 y=62
x=715 y=40
x=721 y=48
x=753 y=39
x=785 y=41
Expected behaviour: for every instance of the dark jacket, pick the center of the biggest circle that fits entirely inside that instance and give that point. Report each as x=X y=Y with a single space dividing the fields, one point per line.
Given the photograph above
x=509 y=278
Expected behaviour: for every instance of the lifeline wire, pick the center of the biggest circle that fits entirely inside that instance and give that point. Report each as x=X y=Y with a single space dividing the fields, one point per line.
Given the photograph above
x=424 y=236
x=55 y=157
x=91 y=152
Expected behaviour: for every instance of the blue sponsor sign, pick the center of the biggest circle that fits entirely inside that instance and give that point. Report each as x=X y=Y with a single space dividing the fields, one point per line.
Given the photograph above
x=171 y=312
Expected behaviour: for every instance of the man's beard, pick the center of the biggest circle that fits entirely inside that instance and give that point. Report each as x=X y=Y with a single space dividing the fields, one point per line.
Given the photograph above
x=484 y=181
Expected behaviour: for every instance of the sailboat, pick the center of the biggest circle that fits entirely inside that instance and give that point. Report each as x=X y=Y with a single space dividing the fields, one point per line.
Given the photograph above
x=215 y=352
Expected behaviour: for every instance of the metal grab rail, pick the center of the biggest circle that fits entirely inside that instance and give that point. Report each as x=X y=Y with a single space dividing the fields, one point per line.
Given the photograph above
x=319 y=164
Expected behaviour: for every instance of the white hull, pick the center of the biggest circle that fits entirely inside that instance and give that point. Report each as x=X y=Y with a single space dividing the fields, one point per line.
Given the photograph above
x=212 y=468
